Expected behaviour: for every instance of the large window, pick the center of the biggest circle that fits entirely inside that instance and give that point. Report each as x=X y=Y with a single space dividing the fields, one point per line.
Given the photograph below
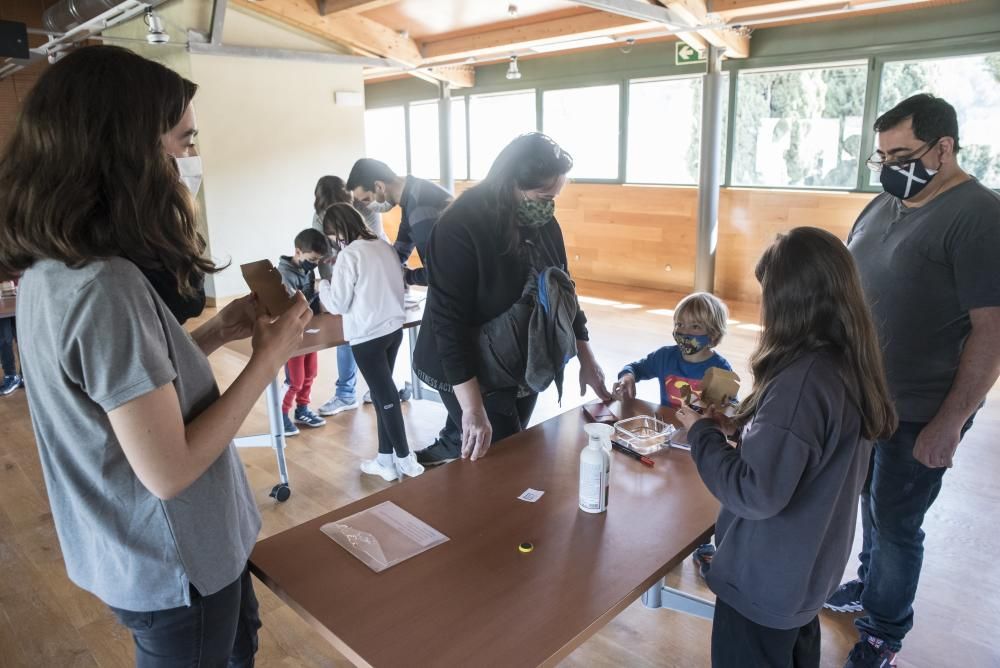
x=664 y=130
x=385 y=137
x=425 y=150
x=585 y=122
x=799 y=127
x=494 y=120
x=969 y=83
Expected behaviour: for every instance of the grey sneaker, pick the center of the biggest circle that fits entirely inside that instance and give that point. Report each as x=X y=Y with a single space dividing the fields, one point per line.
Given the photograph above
x=337 y=405
x=847 y=598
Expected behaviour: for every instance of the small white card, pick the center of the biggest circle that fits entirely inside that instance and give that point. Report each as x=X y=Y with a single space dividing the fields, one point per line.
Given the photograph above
x=531 y=495
x=312 y=331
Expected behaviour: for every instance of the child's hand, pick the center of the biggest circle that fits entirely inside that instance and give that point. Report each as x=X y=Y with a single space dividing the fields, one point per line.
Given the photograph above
x=624 y=388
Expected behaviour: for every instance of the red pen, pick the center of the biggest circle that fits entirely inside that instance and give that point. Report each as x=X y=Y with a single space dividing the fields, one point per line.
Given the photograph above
x=643 y=459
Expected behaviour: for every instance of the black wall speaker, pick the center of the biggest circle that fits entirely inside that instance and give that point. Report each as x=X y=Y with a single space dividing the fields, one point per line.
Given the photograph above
x=13 y=39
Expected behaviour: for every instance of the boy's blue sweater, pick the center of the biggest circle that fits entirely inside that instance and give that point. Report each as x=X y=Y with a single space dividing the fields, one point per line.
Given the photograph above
x=668 y=361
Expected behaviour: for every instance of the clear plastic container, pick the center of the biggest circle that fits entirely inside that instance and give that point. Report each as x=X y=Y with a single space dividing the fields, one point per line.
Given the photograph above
x=644 y=434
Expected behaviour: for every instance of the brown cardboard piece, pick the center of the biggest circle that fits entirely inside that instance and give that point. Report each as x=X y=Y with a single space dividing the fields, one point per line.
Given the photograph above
x=265 y=283
x=719 y=386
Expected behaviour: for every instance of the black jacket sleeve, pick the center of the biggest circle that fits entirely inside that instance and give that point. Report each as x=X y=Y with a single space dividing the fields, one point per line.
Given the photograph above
x=453 y=272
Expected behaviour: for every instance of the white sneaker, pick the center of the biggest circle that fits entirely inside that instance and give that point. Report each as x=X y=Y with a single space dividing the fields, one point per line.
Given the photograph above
x=372 y=467
x=409 y=465
x=336 y=405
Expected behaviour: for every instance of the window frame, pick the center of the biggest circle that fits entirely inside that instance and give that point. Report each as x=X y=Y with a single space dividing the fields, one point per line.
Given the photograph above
x=874 y=58
x=540 y=123
x=728 y=91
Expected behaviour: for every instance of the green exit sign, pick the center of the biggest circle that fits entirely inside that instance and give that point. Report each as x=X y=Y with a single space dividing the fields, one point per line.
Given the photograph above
x=685 y=54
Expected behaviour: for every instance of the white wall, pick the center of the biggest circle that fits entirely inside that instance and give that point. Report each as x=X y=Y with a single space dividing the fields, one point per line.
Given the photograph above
x=268 y=129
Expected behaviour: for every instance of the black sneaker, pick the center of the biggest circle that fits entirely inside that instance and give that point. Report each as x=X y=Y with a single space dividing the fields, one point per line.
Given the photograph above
x=847 y=598
x=10 y=383
x=438 y=453
x=870 y=652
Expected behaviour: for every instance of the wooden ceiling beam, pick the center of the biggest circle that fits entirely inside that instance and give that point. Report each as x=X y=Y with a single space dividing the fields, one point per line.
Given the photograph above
x=695 y=13
x=580 y=26
x=327 y=7
x=357 y=32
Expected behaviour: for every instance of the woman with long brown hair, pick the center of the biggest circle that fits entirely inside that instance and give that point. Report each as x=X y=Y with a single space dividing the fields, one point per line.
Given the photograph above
x=789 y=491
x=148 y=495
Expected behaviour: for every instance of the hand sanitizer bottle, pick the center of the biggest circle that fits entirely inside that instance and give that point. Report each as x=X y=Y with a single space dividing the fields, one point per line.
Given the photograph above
x=595 y=468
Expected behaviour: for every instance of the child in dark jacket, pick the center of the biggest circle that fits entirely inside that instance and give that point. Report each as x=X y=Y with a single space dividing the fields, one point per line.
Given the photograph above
x=699 y=325
x=789 y=491
x=298 y=274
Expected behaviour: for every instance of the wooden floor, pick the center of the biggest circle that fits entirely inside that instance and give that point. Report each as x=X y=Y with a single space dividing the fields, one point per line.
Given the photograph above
x=46 y=621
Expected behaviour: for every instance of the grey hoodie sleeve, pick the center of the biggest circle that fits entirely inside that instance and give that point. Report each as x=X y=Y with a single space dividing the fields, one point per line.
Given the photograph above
x=757 y=480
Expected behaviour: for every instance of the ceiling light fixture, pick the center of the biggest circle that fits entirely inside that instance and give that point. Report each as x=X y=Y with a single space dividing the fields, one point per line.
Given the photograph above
x=512 y=71
x=155 y=34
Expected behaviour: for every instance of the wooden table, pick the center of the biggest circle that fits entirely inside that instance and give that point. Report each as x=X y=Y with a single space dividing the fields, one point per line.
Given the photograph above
x=329 y=334
x=477 y=600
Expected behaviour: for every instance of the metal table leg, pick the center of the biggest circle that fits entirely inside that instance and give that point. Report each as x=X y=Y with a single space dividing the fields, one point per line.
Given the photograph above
x=420 y=391
x=668 y=598
x=274 y=439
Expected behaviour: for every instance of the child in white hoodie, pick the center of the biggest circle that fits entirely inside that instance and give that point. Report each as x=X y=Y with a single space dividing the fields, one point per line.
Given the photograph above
x=367 y=290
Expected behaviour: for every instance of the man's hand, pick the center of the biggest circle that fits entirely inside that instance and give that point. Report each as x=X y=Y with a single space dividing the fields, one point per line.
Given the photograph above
x=936 y=444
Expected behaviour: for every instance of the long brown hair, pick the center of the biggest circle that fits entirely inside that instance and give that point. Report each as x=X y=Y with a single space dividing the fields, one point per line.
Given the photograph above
x=813 y=301
x=342 y=221
x=330 y=190
x=85 y=175
x=530 y=161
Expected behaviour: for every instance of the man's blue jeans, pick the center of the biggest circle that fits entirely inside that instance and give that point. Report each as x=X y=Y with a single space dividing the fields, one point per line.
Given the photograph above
x=898 y=493
x=347 y=374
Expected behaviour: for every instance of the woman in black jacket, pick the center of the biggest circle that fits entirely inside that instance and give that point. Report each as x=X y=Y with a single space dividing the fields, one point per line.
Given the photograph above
x=481 y=253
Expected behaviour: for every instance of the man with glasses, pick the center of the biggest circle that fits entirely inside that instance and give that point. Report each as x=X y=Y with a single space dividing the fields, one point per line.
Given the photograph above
x=928 y=251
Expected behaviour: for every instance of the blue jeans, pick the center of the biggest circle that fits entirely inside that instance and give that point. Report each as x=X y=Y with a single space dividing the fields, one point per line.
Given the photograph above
x=215 y=631
x=347 y=374
x=897 y=494
x=7 y=346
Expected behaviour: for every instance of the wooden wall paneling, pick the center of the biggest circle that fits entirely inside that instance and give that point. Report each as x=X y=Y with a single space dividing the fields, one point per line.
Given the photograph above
x=645 y=236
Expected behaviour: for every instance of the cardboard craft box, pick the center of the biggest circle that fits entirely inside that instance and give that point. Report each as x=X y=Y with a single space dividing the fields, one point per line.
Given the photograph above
x=265 y=283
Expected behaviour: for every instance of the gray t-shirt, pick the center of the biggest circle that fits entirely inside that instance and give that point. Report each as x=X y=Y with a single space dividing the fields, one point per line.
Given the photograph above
x=923 y=269
x=93 y=339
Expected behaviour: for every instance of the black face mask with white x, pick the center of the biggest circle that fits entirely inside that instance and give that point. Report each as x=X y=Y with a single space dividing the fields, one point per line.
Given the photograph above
x=906 y=182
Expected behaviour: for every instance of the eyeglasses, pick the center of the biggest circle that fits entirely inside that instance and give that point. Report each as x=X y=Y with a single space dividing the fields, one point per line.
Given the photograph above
x=876 y=162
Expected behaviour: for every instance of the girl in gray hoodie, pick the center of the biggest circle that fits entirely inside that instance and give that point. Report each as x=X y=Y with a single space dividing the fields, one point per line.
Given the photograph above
x=789 y=490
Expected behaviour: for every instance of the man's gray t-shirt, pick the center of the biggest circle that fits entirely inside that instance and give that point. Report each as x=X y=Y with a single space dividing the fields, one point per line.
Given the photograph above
x=923 y=269
x=93 y=339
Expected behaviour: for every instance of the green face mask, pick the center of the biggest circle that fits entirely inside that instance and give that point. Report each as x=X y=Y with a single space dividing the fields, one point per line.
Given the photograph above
x=535 y=213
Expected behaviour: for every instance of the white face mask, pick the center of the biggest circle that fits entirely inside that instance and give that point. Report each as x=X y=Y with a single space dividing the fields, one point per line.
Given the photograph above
x=191 y=172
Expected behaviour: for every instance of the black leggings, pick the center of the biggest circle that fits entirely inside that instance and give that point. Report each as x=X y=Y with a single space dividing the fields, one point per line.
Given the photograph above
x=738 y=642
x=376 y=359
